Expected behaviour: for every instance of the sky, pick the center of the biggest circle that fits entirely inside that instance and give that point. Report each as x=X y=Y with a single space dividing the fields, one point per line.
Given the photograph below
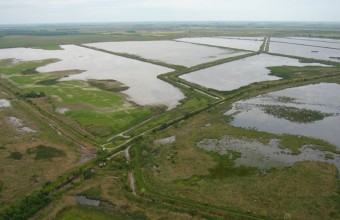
x=73 y=11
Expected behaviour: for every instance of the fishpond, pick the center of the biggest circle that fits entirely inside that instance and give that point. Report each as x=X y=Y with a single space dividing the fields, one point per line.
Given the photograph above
x=312 y=110
x=233 y=75
x=172 y=52
x=141 y=78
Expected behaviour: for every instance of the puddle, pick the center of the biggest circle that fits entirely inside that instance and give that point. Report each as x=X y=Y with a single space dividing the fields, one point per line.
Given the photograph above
x=266 y=156
x=323 y=99
x=82 y=200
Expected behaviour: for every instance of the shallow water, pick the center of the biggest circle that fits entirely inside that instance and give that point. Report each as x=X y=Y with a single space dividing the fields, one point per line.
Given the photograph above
x=305 y=51
x=82 y=200
x=4 y=103
x=316 y=39
x=141 y=78
x=233 y=75
x=172 y=52
x=324 y=97
x=242 y=44
x=307 y=42
x=265 y=156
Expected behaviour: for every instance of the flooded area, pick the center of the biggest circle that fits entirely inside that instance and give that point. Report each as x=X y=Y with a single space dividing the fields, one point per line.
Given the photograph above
x=141 y=78
x=242 y=44
x=168 y=140
x=82 y=200
x=305 y=51
x=307 y=42
x=233 y=75
x=4 y=103
x=172 y=52
x=265 y=156
x=318 y=105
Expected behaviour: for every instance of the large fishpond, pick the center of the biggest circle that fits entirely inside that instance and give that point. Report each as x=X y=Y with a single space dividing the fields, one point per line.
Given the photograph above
x=141 y=78
x=233 y=75
x=172 y=52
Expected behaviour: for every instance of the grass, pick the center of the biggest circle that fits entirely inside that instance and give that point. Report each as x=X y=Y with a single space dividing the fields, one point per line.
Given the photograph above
x=46 y=153
x=48 y=82
x=107 y=123
x=93 y=193
x=110 y=186
x=79 y=92
x=83 y=213
x=8 y=68
x=295 y=114
x=226 y=169
x=29 y=71
x=16 y=155
x=49 y=47
x=95 y=105
x=1 y=186
x=294 y=143
x=108 y=85
x=20 y=178
x=195 y=176
x=289 y=72
x=276 y=195
x=92 y=213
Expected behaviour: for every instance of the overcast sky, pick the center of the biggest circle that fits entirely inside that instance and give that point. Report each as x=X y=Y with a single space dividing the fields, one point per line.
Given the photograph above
x=59 y=11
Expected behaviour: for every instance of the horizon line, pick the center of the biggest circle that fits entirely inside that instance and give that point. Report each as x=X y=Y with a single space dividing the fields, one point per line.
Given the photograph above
x=165 y=21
